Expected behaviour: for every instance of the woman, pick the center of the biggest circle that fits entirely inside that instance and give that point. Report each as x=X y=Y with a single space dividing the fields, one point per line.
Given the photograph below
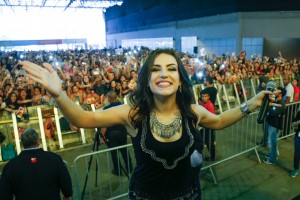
x=75 y=95
x=115 y=86
x=37 y=96
x=11 y=103
x=296 y=90
x=24 y=99
x=90 y=97
x=161 y=119
x=79 y=83
x=125 y=89
x=4 y=64
x=86 y=81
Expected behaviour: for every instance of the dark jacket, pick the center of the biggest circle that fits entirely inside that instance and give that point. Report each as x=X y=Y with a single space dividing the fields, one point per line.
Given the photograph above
x=275 y=115
x=33 y=175
x=116 y=128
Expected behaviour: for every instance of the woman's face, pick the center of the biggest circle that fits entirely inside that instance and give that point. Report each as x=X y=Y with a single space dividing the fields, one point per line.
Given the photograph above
x=118 y=86
x=13 y=97
x=77 y=78
x=122 y=78
x=110 y=76
x=23 y=94
x=294 y=82
x=75 y=89
x=87 y=90
x=113 y=84
x=7 y=87
x=86 y=79
x=124 y=84
x=37 y=91
x=164 y=79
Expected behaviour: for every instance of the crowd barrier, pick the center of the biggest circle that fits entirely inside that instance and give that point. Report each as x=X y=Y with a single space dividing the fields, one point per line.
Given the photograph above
x=230 y=95
x=12 y=129
x=236 y=140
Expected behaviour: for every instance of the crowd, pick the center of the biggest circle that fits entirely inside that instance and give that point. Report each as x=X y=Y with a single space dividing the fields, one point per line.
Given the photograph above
x=88 y=75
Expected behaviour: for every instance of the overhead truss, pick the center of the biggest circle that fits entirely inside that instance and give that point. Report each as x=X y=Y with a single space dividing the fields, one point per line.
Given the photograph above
x=98 y=4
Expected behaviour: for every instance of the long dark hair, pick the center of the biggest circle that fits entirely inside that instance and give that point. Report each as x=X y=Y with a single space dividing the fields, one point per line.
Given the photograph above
x=11 y=104
x=142 y=98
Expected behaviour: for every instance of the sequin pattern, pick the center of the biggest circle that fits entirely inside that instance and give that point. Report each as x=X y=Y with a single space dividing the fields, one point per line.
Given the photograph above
x=161 y=160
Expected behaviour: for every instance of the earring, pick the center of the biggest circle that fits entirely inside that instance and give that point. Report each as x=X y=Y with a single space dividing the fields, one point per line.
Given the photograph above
x=180 y=88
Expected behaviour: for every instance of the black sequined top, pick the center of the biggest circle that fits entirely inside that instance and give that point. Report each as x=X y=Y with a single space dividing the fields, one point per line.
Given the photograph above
x=163 y=169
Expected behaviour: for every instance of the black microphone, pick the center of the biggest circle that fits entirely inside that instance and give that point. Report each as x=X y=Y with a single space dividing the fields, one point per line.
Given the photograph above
x=271 y=86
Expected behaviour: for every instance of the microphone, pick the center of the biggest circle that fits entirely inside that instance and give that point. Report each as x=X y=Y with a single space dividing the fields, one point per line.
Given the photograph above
x=271 y=86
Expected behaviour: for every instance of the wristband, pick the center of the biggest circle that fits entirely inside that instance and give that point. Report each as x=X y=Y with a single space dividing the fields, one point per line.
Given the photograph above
x=245 y=109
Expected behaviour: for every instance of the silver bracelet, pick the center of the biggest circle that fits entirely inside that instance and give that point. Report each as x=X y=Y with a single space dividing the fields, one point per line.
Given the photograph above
x=245 y=109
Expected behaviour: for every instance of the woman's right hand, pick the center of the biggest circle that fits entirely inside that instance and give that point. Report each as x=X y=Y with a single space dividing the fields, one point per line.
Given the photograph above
x=46 y=76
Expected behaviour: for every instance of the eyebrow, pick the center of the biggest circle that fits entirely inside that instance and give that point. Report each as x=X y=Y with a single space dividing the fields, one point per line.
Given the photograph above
x=157 y=65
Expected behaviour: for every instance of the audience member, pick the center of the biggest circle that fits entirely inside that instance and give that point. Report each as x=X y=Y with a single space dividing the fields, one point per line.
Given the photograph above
x=288 y=98
x=35 y=174
x=296 y=90
x=209 y=134
x=117 y=136
x=274 y=120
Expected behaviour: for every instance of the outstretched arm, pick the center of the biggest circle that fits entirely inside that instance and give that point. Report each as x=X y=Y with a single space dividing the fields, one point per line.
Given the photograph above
x=229 y=117
x=48 y=77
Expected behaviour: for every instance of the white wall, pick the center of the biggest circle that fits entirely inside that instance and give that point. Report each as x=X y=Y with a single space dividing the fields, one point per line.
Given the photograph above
x=50 y=23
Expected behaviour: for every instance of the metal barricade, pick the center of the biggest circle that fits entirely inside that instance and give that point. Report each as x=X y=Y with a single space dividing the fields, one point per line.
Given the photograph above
x=94 y=177
x=231 y=142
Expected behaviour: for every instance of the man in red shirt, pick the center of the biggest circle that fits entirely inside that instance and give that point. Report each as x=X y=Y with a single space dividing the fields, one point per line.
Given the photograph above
x=209 y=134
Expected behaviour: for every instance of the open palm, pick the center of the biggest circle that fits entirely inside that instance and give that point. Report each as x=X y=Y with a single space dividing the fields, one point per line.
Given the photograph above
x=45 y=75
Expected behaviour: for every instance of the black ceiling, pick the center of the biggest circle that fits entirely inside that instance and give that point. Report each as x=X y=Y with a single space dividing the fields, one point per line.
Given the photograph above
x=199 y=8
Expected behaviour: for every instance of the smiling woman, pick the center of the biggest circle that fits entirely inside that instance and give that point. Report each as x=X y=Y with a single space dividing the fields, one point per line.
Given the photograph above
x=164 y=75
x=161 y=118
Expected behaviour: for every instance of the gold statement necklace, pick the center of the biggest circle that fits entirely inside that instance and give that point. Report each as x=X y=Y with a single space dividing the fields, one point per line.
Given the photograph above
x=163 y=130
